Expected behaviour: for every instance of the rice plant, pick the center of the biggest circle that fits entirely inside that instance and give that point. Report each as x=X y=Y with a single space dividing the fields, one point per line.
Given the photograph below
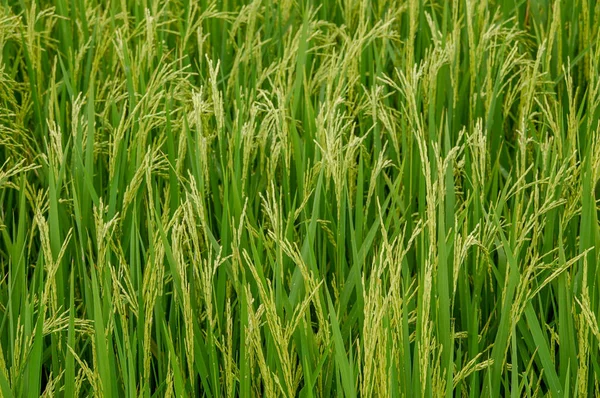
x=280 y=198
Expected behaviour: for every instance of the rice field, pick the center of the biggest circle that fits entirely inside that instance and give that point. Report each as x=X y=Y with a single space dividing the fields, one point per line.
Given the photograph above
x=278 y=198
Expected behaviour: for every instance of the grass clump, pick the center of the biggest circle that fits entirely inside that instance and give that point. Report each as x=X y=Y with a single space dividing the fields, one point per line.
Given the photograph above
x=279 y=198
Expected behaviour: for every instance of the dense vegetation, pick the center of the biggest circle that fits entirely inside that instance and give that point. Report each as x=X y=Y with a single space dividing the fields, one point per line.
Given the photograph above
x=299 y=198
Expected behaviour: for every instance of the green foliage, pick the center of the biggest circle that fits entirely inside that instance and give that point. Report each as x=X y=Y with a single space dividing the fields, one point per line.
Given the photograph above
x=314 y=199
